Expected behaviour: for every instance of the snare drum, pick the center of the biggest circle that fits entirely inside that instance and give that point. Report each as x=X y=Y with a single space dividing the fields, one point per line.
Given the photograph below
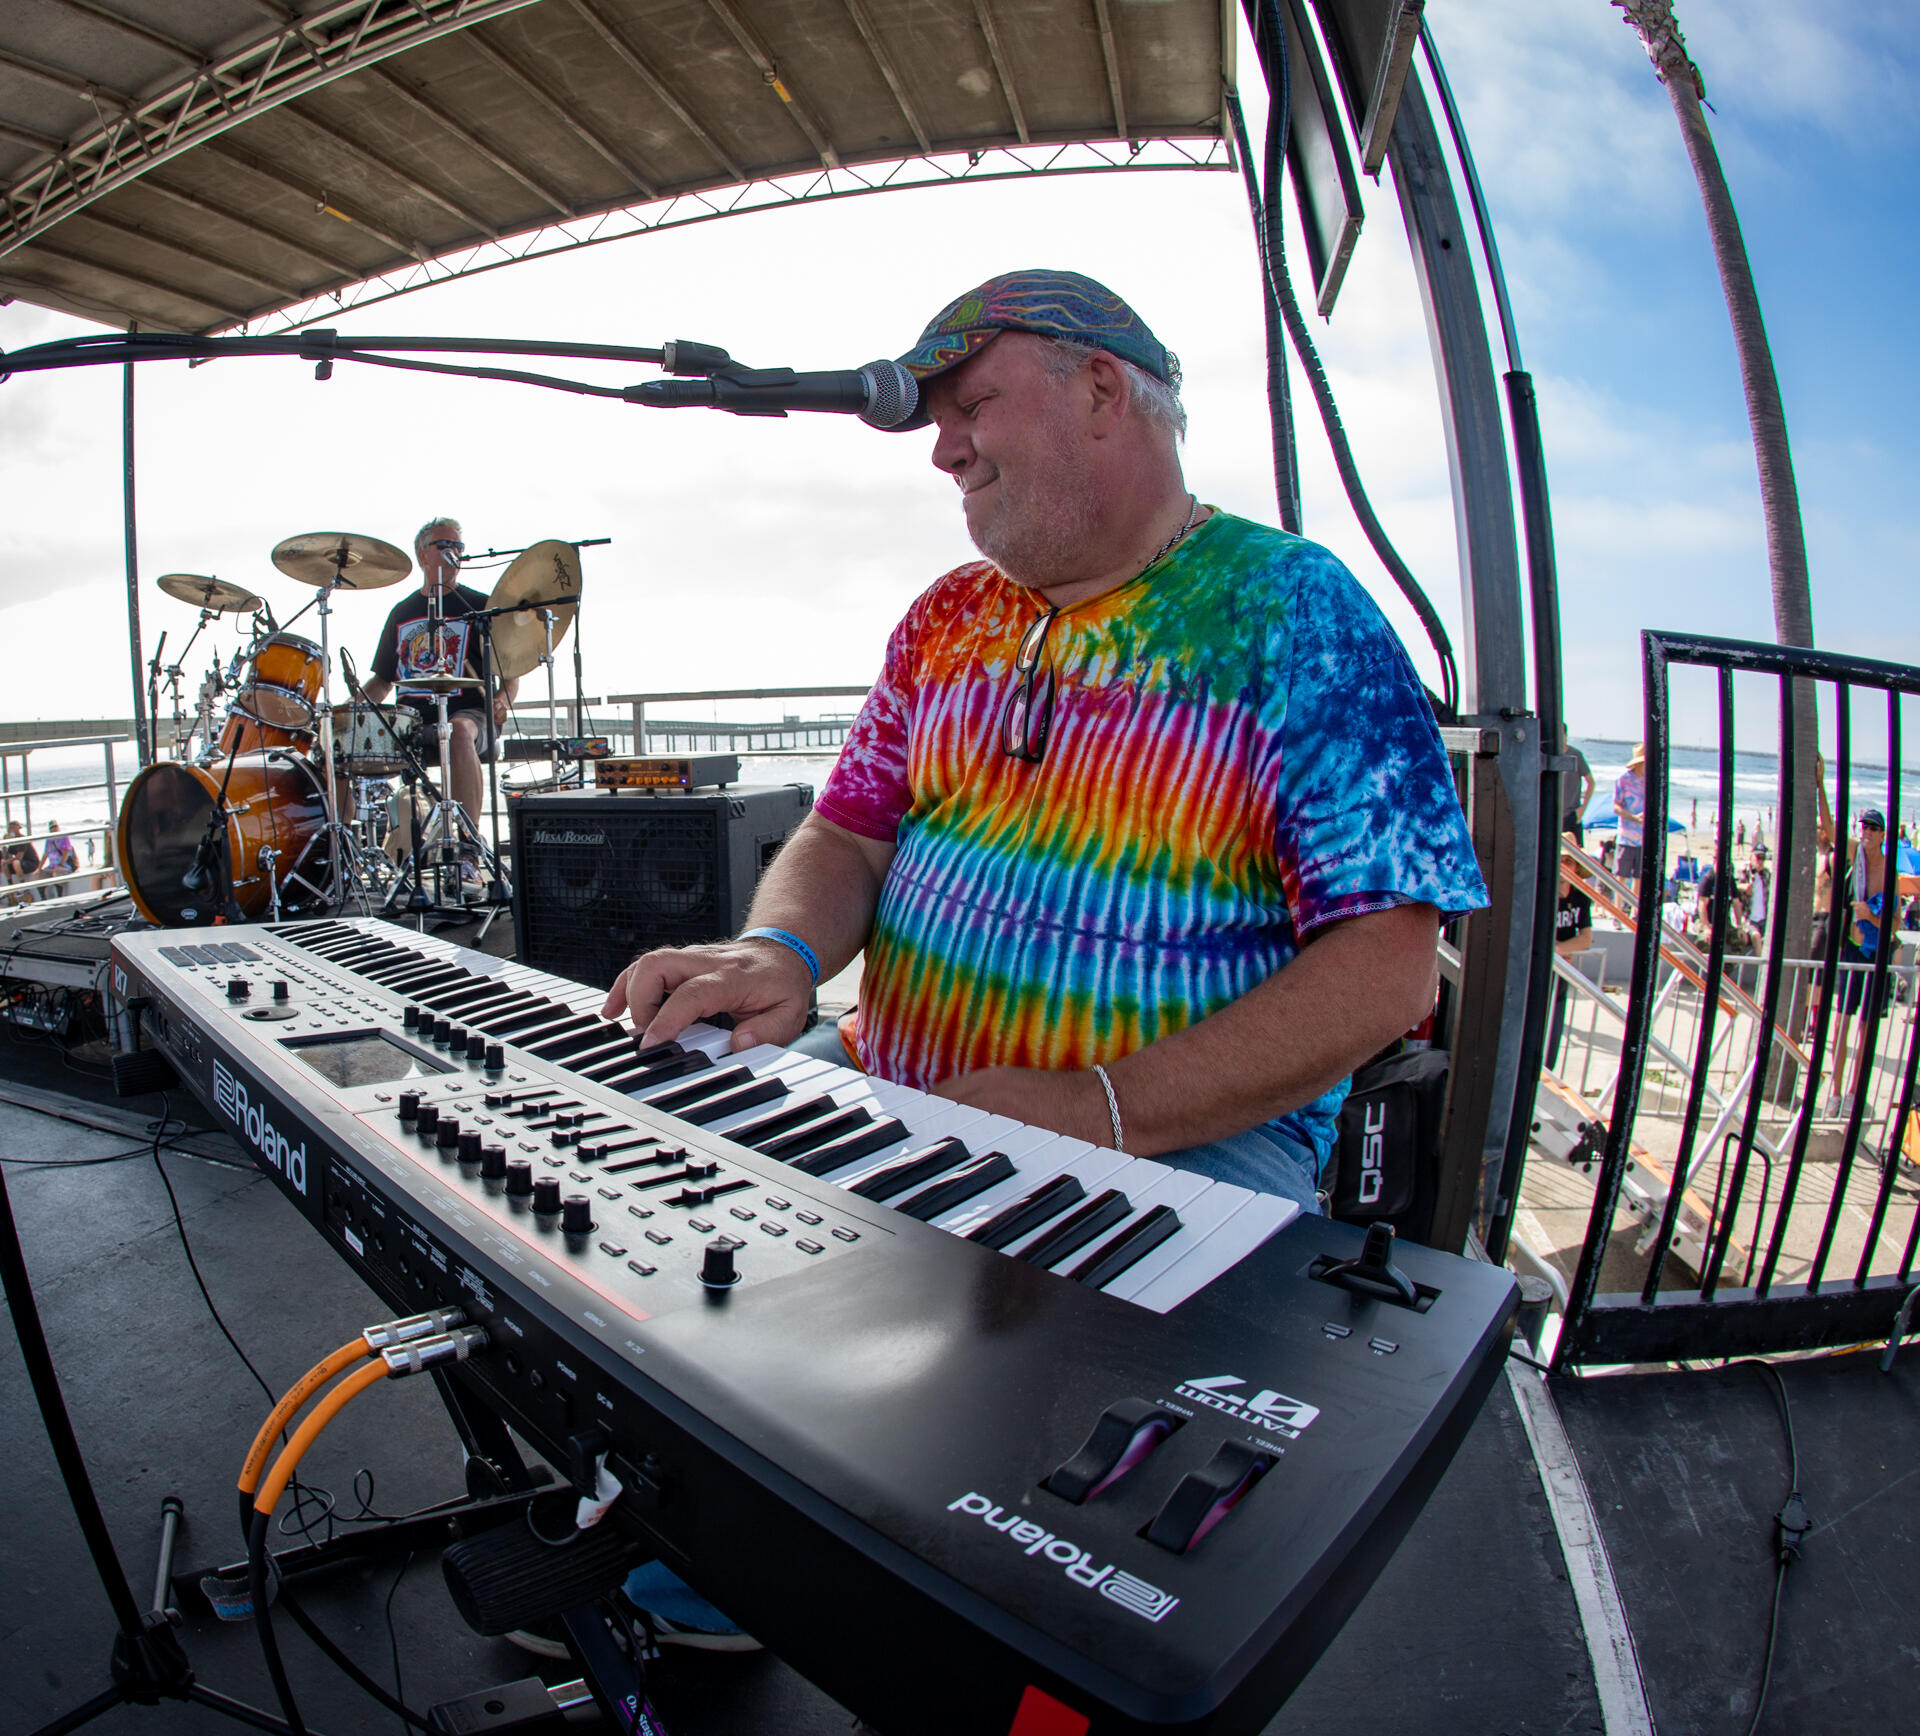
x=278 y=704
x=273 y=803
x=367 y=738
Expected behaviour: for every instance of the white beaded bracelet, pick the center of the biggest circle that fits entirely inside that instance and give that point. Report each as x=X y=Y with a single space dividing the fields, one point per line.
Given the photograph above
x=1113 y=1106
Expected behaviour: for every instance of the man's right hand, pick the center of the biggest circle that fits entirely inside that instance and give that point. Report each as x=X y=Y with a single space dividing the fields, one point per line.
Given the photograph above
x=764 y=985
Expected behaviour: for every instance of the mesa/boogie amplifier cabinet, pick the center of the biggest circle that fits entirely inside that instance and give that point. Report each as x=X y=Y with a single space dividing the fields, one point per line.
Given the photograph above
x=601 y=875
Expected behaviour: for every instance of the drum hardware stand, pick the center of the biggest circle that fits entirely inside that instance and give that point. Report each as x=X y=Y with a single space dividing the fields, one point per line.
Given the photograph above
x=270 y=860
x=153 y=696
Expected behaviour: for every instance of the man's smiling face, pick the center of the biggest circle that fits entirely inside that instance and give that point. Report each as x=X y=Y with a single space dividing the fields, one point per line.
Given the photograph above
x=1010 y=437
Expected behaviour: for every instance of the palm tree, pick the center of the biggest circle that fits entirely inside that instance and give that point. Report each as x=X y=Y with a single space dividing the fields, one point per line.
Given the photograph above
x=1779 y=498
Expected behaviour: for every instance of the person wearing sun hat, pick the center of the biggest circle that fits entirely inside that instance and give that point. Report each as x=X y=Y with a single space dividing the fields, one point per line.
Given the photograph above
x=1630 y=808
x=1145 y=829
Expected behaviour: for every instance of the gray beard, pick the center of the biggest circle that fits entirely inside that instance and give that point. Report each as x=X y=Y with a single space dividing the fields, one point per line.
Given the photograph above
x=1040 y=539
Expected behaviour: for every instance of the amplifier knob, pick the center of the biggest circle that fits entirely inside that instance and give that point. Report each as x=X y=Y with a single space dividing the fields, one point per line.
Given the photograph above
x=576 y=1214
x=520 y=1177
x=716 y=1265
x=410 y=1018
x=447 y=1134
x=546 y=1194
x=238 y=988
x=409 y=1105
x=476 y=1045
x=493 y=1161
x=496 y=1057
x=469 y=1148
x=426 y=1118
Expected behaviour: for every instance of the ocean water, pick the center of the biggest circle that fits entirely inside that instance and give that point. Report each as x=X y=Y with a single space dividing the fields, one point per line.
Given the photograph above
x=1694 y=785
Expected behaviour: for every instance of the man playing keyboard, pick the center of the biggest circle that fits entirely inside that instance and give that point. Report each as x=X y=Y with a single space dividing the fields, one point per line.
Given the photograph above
x=1145 y=829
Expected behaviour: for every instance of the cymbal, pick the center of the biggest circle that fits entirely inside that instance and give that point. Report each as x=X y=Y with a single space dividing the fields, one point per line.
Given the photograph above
x=543 y=576
x=208 y=593
x=364 y=563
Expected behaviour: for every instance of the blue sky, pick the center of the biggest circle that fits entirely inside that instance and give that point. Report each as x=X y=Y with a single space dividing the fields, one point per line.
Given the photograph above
x=751 y=553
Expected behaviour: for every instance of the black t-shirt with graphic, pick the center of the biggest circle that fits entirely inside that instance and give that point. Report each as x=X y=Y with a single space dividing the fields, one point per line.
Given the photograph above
x=407 y=646
x=1572 y=916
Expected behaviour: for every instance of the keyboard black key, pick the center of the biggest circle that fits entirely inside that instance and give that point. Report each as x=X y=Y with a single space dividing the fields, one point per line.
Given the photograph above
x=825 y=1159
x=815 y=1133
x=692 y=1061
x=1134 y=1243
x=1076 y=1230
x=911 y=1169
x=712 y=1109
x=565 y=1042
x=658 y=1052
x=956 y=1189
x=720 y=1079
x=780 y=1121
x=1012 y=1222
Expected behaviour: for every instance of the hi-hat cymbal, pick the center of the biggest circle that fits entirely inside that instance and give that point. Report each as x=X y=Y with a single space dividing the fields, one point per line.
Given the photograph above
x=364 y=563
x=208 y=593
x=437 y=683
x=545 y=576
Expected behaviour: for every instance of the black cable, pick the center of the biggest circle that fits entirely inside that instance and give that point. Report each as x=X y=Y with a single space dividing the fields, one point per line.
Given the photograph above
x=263 y=1623
x=393 y=1643
x=1791 y=1525
x=341 y=1661
x=1270 y=40
x=193 y=1265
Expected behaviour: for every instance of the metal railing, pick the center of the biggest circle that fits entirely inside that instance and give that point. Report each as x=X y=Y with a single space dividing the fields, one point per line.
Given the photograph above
x=1804 y=1246
x=19 y=792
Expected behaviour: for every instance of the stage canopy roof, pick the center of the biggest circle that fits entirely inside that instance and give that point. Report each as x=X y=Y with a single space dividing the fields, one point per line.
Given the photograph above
x=195 y=165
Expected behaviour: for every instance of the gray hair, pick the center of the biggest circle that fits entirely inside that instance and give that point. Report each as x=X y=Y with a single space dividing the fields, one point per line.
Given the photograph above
x=1157 y=400
x=420 y=536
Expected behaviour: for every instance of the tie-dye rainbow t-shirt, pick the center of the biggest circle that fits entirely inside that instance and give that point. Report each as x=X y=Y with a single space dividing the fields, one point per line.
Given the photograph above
x=1240 y=752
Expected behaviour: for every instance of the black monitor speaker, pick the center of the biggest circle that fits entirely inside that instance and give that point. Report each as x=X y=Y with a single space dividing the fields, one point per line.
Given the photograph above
x=600 y=876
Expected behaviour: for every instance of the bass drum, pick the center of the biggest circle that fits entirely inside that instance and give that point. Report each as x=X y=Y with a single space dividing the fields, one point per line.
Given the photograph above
x=273 y=802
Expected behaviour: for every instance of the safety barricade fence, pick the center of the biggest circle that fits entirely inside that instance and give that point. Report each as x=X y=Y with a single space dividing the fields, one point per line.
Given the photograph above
x=1777 y=1115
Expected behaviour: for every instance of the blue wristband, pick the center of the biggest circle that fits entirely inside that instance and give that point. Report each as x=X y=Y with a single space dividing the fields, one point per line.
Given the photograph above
x=792 y=941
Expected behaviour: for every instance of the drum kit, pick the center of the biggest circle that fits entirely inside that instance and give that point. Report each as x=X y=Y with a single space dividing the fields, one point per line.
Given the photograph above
x=243 y=824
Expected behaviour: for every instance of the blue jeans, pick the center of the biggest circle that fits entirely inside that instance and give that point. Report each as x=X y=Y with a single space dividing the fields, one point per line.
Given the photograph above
x=1262 y=1158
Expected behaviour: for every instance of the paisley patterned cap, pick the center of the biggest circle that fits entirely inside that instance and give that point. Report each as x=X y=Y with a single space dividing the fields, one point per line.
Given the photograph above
x=1050 y=304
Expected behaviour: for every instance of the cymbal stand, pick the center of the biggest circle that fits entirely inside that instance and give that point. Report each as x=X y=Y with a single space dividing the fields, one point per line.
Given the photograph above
x=553 y=713
x=499 y=893
x=344 y=875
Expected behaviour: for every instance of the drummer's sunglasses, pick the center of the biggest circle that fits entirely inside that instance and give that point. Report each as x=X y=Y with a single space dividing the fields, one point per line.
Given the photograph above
x=447 y=543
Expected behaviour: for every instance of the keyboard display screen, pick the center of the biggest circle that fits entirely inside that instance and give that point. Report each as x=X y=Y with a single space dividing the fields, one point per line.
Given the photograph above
x=363 y=1058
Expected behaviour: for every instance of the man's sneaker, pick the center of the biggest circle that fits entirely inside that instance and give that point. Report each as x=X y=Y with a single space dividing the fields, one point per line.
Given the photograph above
x=473 y=885
x=669 y=1633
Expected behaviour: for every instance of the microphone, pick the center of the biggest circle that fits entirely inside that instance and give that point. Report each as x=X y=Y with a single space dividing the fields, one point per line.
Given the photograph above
x=882 y=394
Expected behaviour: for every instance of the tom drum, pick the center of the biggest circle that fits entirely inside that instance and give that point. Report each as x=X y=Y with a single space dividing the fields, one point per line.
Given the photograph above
x=278 y=703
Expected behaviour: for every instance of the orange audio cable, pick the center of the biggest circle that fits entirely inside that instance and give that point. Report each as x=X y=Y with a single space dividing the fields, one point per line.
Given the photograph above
x=370 y=1342
x=395 y=1362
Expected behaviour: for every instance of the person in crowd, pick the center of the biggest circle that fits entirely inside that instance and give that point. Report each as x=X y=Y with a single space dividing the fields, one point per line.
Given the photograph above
x=1573 y=814
x=23 y=860
x=1859 y=900
x=1572 y=933
x=1630 y=809
x=59 y=858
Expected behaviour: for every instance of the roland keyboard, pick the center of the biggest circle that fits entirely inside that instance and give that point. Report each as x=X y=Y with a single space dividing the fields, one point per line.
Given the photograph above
x=975 y=1424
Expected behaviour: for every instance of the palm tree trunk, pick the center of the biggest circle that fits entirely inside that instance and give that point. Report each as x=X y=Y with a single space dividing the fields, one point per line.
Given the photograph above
x=1779 y=497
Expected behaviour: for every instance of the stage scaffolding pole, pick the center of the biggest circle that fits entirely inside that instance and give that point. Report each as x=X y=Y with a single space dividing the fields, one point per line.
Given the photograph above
x=141 y=742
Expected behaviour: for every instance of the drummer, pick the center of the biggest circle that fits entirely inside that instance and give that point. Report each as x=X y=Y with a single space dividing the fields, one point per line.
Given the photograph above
x=408 y=648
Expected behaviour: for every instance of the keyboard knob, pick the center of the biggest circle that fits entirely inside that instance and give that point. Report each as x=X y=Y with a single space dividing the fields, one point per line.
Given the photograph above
x=447 y=1134
x=409 y=1105
x=519 y=1177
x=493 y=1161
x=238 y=988
x=496 y=1057
x=469 y=1148
x=426 y=1119
x=576 y=1214
x=716 y=1265
x=410 y=1018
x=456 y=1037
x=476 y=1045
x=280 y=989
x=546 y=1194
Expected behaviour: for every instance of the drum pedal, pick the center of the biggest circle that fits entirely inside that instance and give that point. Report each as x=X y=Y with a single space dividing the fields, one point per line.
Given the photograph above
x=138 y=1072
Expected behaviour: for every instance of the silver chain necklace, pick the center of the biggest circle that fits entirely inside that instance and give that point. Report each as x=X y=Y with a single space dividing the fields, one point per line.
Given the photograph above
x=1167 y=547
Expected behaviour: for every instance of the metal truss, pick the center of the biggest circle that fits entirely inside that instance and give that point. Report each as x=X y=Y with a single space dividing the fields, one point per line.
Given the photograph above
x=303 y=54
x=950 y=169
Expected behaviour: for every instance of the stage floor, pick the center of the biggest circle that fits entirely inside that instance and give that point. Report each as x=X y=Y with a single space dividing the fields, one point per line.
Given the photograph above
x=1472 y=1629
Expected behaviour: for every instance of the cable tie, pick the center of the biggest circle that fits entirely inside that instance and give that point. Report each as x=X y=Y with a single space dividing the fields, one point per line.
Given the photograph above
x=607 y=1489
